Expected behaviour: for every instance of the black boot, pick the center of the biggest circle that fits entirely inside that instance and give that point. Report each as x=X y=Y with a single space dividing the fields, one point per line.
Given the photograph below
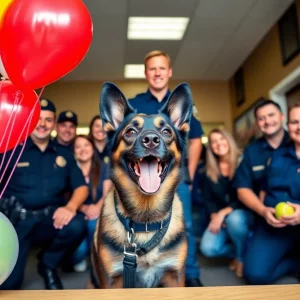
x=51 y=278
x=195 y=282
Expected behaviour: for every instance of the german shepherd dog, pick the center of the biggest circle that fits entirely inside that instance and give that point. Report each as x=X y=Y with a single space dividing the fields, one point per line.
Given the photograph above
x=142 y=217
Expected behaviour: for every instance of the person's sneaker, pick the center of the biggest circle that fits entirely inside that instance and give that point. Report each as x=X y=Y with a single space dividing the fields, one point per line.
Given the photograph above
x=81 y=266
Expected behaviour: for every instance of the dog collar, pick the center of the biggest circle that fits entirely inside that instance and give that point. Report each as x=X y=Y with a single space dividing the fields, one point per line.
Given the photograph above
x=132 y=226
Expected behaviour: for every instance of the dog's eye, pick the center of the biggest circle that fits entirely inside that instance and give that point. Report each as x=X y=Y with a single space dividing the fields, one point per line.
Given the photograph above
x=130 y=132
x=167 y=132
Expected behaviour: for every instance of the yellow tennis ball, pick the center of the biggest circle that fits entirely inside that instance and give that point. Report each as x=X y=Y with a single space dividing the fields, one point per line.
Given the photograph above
x=282 y=209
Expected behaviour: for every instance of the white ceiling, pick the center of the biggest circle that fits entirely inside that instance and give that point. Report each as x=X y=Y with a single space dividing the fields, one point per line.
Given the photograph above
x=220 y=36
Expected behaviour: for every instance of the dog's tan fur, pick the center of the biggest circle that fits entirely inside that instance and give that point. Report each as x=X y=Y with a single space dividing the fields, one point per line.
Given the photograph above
x=165 y=264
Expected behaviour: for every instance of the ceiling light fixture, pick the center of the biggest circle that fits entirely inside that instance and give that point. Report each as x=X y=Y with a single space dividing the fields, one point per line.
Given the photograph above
x=134 y=71
x=156 y=28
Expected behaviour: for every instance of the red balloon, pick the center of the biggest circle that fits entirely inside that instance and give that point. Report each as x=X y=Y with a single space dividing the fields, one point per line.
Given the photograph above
x=15 y=109
x=44 y=40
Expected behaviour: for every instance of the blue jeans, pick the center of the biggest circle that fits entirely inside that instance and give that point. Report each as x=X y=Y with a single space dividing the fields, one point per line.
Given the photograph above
x=231 y=241
x=192 y=267
x=83 y=250
x=268 y=256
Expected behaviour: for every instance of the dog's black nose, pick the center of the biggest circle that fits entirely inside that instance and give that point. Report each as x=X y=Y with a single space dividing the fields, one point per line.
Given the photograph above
x=150 y=140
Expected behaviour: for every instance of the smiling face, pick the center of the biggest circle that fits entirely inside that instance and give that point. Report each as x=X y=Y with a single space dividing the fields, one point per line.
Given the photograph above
x=146 y=150
x=219 y=144
x=66 y=132
x=97 y=131
x=158 y=72
x=269 y=120
x=44 y=126
x=83 y=149
x=294 y=125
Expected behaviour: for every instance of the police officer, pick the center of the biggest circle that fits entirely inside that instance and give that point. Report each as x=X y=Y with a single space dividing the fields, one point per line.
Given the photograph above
x=158 y=71
x=268 y=256
x=251 y=171
x=66 y=129
x=39 y=181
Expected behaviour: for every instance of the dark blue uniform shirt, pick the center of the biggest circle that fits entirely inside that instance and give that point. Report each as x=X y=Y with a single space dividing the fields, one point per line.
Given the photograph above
x=218 y=195
x=283 y=177
x=251 y=170
x=42 y=178
x=104 y=155
x=69 y=147
x=104 y=174
x=146 y=103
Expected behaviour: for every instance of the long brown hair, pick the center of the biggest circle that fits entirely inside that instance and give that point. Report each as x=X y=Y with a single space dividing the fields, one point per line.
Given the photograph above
x=95 y=170
x=212 y=161
x=95 y=118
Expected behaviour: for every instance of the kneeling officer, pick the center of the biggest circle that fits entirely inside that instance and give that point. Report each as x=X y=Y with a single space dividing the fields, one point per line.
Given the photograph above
x=43 y=175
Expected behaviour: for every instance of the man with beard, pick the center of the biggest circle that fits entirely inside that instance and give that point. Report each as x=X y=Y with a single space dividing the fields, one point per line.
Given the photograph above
x=42 y=175
x=250 y=174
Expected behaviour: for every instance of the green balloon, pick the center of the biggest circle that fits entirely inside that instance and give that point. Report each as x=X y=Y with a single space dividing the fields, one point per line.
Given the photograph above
x=9 y=247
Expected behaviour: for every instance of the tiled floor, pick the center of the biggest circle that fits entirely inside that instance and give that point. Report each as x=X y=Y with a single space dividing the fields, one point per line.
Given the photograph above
x=213 y=273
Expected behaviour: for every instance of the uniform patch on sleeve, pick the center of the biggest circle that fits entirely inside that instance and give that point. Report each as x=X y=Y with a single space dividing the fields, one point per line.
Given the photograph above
x=23 y=164
x=258 y=168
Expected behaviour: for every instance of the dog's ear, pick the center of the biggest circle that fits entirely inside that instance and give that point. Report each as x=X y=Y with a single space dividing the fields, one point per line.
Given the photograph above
x=179 y=107
x=113 y=107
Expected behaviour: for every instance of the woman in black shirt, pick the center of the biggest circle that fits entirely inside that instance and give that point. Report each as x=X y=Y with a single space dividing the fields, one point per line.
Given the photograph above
x=227 y=232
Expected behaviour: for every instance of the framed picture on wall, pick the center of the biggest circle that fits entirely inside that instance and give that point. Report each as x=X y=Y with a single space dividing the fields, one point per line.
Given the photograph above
x=244 y=127
x=289 y=34
x=239 y=87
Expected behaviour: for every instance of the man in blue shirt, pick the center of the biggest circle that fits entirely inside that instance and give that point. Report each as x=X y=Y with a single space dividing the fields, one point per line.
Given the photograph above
x=273 y=251
x=158 y=71
x=251 y=171
x=66 y=129
x=250 y=175
x=42 y=176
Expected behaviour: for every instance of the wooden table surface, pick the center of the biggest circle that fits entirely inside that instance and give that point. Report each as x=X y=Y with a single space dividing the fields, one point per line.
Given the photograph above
x=272 y=292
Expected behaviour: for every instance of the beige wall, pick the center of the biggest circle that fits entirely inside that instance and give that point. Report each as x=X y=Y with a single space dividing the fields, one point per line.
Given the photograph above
x=212 y=99
x=263 y=69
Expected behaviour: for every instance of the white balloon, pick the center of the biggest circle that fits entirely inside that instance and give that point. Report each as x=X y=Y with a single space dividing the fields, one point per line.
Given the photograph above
x=2 y=70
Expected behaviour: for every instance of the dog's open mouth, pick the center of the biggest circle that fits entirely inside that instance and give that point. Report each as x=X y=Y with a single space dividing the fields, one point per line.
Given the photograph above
x=149 y=172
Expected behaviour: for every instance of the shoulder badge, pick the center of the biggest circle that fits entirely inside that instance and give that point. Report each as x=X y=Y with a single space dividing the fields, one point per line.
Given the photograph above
x=60 y=161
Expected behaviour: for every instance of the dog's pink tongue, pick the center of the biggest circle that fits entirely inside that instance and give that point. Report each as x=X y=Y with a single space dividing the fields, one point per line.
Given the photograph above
x=149 y=178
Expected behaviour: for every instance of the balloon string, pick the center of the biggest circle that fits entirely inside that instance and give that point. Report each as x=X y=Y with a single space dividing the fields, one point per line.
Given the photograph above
x=16 y=103
x=28 y=121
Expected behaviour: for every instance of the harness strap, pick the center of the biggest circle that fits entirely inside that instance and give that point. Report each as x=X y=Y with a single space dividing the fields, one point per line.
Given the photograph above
x=133 y=251
x=130 y=225
x=155 y=240
x=129 y=271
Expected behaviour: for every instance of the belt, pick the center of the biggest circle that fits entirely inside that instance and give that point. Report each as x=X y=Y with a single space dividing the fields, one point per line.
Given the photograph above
x=26 y=213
